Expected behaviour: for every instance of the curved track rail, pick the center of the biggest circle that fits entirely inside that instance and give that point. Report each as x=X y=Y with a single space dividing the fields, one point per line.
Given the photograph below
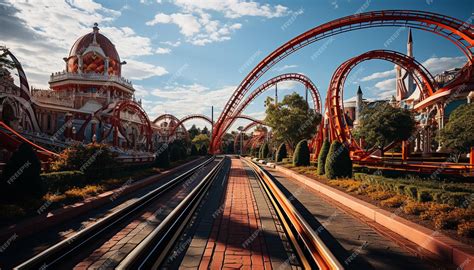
x=60 y=252
x=311 y=249
x=153 y=250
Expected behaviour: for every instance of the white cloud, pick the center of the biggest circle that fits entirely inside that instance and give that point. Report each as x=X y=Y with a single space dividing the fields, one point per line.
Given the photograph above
x=136 y=70
x=195 y=23
x=378 y=75
x=285 y=67
x=163 y=51
x=187 y=23
x=172 y=44
x=437 y=65
x=386 y=88
x=287 y=85
x=198 y=99
x=234 y=8
x=198 y=29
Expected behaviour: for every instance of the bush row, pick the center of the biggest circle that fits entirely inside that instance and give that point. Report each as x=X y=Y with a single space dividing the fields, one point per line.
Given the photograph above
x=420 y=191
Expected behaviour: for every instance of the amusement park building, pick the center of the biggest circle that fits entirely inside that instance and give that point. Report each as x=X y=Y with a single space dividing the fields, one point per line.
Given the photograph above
x=88 y=101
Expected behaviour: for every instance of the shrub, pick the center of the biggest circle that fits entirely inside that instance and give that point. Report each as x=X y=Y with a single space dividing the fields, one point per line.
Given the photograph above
x=395 y=201
x=60 y=181
x=281 y=153
x=162 y=157
x=84 y=192
x=265 y=151
x=194 y=151
x=414 y=208
x=380 y=195
x=95 y=160
x=434 y=210
x=459 y=199
x=323 y=153
x=338 y=162
x=412 y=192
x=445 y=221
x=301 y=155
x=466 y=229
x=424 y=195
x=203 y=150
x=21 y=176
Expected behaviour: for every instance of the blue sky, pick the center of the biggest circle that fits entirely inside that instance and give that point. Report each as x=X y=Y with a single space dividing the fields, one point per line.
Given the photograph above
x=184 y=56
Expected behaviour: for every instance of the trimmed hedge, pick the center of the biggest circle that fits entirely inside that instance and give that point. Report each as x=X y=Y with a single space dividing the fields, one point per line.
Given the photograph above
x=62 y=181
x=281 y=153
x=323 y=153
x=301 y=156
x=338 y=162
x=422 y=190
x=265 y=152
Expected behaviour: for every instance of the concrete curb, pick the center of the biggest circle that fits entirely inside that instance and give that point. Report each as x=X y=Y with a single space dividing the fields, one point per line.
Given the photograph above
x=444 y=247
x=41 y=222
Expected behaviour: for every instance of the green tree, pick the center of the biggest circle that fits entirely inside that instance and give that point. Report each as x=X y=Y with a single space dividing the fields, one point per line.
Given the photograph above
x=382 y=124
x=5 y=62
x=201 y=140
x=205 y=131
x=194 y=151
x=291 y=120
x=458 y=133
x=338 y=162
x=230 y=148
x=281 y=153
x=323 y=153
x=193 y=132
x=301 y=155
x=21 y=176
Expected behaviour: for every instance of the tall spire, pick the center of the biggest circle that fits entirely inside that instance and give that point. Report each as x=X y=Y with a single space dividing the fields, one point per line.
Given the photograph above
x=410 y=39
x=359 y=91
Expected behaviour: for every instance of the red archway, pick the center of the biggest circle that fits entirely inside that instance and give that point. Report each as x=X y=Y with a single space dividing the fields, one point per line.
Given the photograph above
x=274 y=81
x=339 y=130
x=458 y=32
x=117 y=123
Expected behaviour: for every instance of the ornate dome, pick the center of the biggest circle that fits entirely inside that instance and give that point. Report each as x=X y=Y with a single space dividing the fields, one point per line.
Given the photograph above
x=94 y=53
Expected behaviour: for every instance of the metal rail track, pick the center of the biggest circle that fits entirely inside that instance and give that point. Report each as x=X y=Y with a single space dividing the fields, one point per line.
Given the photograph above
x=311 y=249
x=54 y=255
x=153 y=250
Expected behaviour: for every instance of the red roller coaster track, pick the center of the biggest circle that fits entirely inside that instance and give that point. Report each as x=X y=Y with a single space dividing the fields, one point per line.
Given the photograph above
x=271 y=82
x=339 y=130
x=456 y=31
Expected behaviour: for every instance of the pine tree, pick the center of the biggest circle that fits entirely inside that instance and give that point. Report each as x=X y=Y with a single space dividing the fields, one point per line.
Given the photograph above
x=338 y=161
x=281 y=153
x=323 y=153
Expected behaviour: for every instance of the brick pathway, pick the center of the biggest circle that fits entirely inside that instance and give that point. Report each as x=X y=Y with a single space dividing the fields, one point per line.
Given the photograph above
x=236 y=239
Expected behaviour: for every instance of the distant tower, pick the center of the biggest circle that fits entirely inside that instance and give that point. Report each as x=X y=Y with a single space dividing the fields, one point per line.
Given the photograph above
x=358 y=108
x=405 y=82
x=410 y=81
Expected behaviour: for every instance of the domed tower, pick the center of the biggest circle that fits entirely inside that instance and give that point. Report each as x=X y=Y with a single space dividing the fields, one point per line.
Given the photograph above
x=93 y=71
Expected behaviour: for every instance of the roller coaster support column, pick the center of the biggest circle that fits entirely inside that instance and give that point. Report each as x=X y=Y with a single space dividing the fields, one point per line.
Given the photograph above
x=471 y=157
x=405 y=150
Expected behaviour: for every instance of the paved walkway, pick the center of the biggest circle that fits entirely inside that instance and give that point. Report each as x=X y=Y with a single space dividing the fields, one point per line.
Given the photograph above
x=243 y=234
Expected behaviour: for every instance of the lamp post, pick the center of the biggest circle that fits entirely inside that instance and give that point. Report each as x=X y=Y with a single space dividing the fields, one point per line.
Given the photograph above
x=241 y=138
